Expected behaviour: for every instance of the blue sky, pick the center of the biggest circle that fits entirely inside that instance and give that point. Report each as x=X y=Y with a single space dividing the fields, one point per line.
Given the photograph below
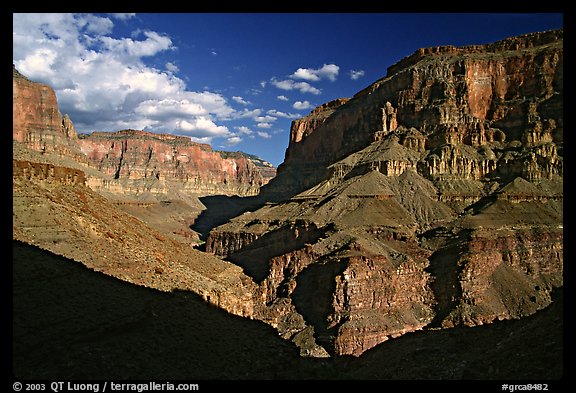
x=233 y=80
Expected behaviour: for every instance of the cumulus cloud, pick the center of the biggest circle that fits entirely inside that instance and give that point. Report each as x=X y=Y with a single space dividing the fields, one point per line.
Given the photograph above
x=276 y=113
x=166 y=108
x=233 y=140
x=265 y=119
x=356 y=74
x=102 y=81
x=264 y=125
x=289 y=84
x=264 y=135
x=327 y=71
x=172 y=67
x=123 y=15
x=247 y=113
x=240 y=100
x=202 y=127
x=300 y=105
x=152 y=45
x=97 y=25
x=243 y=130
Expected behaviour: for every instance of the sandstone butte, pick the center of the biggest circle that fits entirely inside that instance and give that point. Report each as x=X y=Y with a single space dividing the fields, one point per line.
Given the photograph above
x=431 y=199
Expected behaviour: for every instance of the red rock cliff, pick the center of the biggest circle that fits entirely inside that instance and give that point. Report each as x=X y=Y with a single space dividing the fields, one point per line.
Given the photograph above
x=196 y=168
x=505 y=93
x=37 y=121
x=431 y=199
x=134 y=156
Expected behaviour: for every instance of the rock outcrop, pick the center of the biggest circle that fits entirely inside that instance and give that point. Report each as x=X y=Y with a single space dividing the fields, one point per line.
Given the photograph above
x=37 y=121
x=431 y=199
x=96 y=214
x=132 y=155
x=491 y=99
x=131 y=162
x=53 y=209
x=155 y=177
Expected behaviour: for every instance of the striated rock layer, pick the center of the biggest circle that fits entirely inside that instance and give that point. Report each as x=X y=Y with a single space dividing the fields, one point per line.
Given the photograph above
x=431 y=199
x=459 y=104
x=37 y=121
x=130 y=162
x=116 y=221
x=192 y=167
x=55 y=210
x=155 y=177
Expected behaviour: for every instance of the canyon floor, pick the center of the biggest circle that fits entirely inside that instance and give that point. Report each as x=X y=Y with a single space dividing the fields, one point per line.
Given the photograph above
x=70 y=322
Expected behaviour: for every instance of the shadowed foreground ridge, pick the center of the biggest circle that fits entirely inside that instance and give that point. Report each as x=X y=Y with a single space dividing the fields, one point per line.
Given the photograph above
x=73 y=323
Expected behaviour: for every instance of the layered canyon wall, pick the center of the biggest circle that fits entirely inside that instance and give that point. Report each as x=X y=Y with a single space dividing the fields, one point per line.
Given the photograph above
x=431 y=199
x=36 y=119
x=57 y=208
x=500 y=96
x=195 y=168
x=131 y=162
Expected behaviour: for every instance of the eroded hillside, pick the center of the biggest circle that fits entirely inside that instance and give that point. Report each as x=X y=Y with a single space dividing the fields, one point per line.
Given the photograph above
x=432 y=198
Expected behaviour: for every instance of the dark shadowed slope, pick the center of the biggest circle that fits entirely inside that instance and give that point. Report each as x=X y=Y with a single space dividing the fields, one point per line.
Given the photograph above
x=73 y=323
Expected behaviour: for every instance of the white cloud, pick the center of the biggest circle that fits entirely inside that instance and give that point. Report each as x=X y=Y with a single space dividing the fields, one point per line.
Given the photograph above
x=166 y=108
x=202 y=127
x=356 y=74
x=283 y=98
x=152 y=45
x=301 y=105
x=247 y=113
x=264 y=135
x=276 y=113
x=264 y=125
x=262 y=84
x=306 y=74
x=265 y=119
x=327 y=71
x=40 y=63
x=196 y=139
x=243 y=130
x=289 y=84
x=240 y=100
x=213 y=52
x=102 y=82
x=172 y=67
x=96 y=24
x=233 y=140
x=123 y=15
